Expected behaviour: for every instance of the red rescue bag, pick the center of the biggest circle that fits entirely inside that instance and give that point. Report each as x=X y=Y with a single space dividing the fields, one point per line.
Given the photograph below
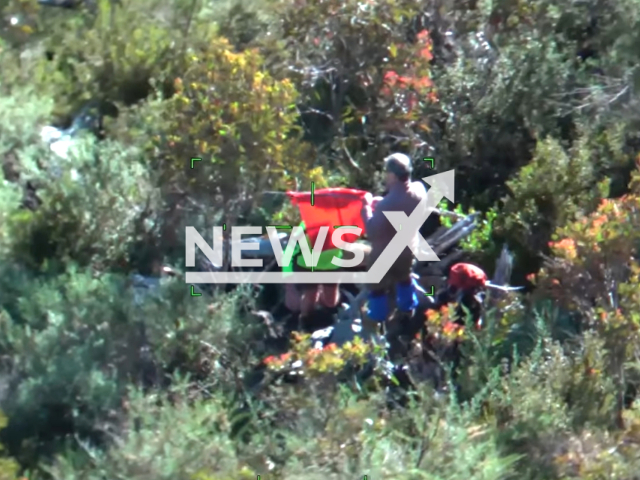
x=331 y=207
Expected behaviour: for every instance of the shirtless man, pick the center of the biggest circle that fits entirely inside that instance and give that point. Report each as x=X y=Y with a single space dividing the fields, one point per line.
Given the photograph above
x=403 y=195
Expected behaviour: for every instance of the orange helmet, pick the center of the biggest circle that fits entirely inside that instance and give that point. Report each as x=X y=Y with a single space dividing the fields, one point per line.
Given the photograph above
x=464 y=276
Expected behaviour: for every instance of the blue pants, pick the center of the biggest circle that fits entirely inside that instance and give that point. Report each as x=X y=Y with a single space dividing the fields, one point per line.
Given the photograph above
x=378 y=305
x=406 y=297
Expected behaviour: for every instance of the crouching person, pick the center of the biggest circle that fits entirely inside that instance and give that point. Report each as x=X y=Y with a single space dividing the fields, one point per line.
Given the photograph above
x=466 y=284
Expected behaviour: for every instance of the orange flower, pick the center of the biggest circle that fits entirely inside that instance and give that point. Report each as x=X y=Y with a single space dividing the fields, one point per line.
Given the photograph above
x=565 y=243
x=331 y=347
x=422 y=83
x=451 y=328
x=423 y=36
x=432 y=315
x=405 y=81
x=599 y=221
x=284 y=357
x=311 y=356
x=269 y=359
x=391 y=78
x=531 y=277
x=426 y=52
x=566 y=247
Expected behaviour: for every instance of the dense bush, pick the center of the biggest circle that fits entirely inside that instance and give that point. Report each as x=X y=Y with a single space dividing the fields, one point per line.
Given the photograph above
x=242 y=122
x=364 y=71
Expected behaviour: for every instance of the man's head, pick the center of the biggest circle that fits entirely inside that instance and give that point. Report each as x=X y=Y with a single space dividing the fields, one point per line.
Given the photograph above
x=397 y=167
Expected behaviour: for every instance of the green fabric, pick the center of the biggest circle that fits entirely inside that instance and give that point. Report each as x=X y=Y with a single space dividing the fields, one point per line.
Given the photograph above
x=324 y=262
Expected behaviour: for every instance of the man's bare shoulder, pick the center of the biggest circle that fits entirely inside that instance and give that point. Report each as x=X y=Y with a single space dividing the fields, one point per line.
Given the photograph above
x=419 y=189
x=384 y=203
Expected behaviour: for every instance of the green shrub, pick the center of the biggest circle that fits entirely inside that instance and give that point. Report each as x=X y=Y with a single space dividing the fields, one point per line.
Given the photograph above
x=551 y=190
x=480 y=243
x=91 y=214
x=243 y=22
x=8 y=467
x=77 y=341
x=349 y=440
x=242 y=122
x=126 y=49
